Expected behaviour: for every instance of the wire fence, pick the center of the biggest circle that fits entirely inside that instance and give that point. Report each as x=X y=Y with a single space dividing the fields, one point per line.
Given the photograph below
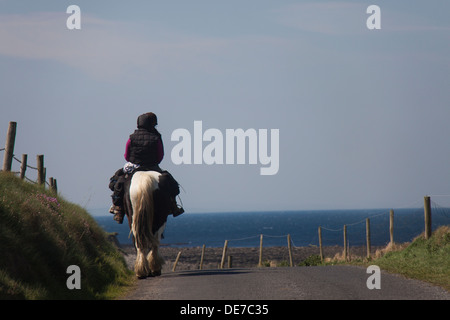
x=9 y=157
x=381 y=219
x=403 y=221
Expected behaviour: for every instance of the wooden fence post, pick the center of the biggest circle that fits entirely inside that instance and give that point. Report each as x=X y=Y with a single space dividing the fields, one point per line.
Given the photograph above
x=201 y=259
x=345 y=243
x=368 y=237
x=9 y=146
x=391 y=226
x=40 y=168
x=320 y=244
x=176 y=261
x=224 y=254
x=230 y=262
x=427 y=211
x=23 y=166
x=260 y=251
x=55 y=185
x=290 y=250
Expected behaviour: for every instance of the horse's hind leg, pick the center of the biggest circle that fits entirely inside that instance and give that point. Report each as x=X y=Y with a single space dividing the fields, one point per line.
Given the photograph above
x=141 y=267
x=155 y=261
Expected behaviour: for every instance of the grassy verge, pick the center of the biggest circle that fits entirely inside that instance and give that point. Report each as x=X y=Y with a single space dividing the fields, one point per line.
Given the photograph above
x=426 y=260
x=41 y=235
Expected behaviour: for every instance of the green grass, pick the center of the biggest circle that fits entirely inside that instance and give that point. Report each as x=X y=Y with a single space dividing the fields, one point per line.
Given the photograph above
x=427 y=260
x=41 y=235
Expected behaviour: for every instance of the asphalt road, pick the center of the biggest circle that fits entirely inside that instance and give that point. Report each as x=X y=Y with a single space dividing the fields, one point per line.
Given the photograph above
x=298 y=283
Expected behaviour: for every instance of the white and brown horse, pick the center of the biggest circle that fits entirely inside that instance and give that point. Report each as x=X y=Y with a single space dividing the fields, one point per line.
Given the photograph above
x=147 y=210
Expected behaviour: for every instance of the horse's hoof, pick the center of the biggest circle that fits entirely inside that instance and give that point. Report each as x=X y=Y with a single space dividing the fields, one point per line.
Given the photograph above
x=156 y=273
x=141 y=277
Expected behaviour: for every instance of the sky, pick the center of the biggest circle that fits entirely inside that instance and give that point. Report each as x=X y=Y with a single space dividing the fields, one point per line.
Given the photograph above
x=362 y=114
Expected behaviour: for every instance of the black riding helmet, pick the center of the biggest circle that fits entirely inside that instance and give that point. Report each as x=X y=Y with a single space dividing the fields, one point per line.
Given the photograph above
x=147 y=121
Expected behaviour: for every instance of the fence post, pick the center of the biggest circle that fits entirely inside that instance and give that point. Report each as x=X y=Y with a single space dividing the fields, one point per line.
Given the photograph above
x=55 y=186
x=320 y=244
x=201 y=259
x=368 y=237
x=230 y=262
x=290 y=250
x=345 y=242
x=40 y=168
x=391 y=226
x=176 y=261
x=9 y=146
x=23 y=166
x=260 y=251
x=427 y=211
x=224 y=254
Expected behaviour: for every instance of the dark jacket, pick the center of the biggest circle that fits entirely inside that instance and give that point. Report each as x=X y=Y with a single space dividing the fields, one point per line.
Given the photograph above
x=145 y=144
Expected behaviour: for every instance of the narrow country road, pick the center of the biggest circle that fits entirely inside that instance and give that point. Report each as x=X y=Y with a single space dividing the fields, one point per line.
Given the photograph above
x=298 y=283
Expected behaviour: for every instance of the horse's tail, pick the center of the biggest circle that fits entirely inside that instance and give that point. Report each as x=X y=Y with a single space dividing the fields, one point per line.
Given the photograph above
x=141 y=196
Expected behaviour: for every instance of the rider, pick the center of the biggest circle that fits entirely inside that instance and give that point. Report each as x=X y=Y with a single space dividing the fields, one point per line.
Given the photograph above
x=144 y=150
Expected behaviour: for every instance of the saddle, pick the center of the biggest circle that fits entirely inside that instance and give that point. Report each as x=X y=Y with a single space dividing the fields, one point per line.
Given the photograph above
x=168 y=189
x=167 y=182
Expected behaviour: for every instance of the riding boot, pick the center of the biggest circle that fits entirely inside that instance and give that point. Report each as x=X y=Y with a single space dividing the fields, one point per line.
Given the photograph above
x=118 y=215
x=178 y=211
x=175 y=208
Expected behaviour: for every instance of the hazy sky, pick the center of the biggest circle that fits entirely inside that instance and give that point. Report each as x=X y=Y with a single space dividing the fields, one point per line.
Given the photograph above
x=363 y=115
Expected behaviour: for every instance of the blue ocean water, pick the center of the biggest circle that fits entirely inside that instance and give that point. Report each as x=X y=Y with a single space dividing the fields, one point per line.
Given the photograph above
x=243 y=229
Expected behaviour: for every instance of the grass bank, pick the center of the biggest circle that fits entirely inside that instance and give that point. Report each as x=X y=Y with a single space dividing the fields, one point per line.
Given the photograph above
x=41 y=235
x=427 y=260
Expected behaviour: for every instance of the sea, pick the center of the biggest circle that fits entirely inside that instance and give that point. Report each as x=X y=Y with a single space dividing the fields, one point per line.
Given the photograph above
x=243 y=229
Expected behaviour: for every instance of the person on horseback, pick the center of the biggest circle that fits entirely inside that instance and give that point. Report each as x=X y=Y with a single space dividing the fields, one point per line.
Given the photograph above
x=144 y=151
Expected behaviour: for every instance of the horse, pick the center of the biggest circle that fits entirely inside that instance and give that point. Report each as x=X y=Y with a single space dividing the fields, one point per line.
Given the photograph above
x=147 y=209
